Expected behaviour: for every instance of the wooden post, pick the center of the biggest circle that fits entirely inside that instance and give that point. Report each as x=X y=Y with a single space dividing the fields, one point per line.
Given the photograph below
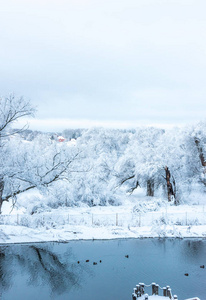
x=169 y=292
x=175 y=297
x=157 y=289
x=153 y=288
x=141 y=288
x=134 y=297
x=137 y=290
x=164 y=292
x=117 y=219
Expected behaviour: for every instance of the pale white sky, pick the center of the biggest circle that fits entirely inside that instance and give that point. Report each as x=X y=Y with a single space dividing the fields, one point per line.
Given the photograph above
x=105 y=62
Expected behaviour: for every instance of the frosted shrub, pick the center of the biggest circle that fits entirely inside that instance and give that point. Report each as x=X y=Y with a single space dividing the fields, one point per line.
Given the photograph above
x=160 y=221
x=163 y=220
x=25 y=221
x=147 y=206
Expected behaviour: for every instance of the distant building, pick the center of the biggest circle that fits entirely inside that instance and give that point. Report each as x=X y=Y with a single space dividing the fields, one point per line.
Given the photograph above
x=60 y=139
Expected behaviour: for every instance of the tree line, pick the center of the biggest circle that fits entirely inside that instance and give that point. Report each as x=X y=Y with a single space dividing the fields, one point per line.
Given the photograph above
x=102 y=165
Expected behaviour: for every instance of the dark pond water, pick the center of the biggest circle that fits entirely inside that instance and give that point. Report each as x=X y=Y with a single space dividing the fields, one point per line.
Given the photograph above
x=51 y=270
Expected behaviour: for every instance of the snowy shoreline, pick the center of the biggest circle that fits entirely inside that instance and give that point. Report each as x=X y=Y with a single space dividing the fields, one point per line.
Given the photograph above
x=130 y=220
x=18 y=234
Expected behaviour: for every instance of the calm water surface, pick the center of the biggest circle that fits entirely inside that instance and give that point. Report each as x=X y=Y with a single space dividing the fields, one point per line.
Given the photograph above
x=51 y=270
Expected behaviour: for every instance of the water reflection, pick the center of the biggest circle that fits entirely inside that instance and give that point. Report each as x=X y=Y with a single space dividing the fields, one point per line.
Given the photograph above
x=42 y=266
x=193 y=248
x=5 y=271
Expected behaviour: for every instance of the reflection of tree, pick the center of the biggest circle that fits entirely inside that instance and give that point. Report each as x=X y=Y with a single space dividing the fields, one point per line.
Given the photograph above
x=5 y=272
x=60 y=276
x=42 y=266
x=193 y=248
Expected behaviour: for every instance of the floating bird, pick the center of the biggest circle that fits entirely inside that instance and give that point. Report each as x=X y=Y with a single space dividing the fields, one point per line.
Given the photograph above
x=100 y=261
x=203 y=266
x=186 y=274
x=78 y=262
x=127 y=256
x=87 y=260
x=94 y=263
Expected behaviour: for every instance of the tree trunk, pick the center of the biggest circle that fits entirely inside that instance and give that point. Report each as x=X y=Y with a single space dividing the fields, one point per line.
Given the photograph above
x=170 y=189
x=135 y=187
x=202 y=159
x=150 y=187
x=1 y=192
x=201 y=155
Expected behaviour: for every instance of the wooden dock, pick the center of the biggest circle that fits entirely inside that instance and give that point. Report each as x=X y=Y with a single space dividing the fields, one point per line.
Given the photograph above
x=157 y=292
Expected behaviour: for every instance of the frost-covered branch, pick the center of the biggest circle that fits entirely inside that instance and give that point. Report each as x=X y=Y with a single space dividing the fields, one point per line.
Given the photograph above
x=12 y=109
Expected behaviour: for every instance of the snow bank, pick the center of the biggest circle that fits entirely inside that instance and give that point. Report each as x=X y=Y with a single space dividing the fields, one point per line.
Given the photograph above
x=21 y=234
x=110 y=222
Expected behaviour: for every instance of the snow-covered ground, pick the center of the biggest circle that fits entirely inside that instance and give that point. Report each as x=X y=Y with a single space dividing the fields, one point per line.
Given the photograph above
x=139 y=217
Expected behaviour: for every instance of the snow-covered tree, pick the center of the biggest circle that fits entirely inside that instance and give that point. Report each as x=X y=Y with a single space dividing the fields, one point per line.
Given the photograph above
x=173 y=159
x=37 y=164
x=102 y=148
x=27 y=165
x=11 y=110
x=178 y=152
x=140 y=163
x=197 y=140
